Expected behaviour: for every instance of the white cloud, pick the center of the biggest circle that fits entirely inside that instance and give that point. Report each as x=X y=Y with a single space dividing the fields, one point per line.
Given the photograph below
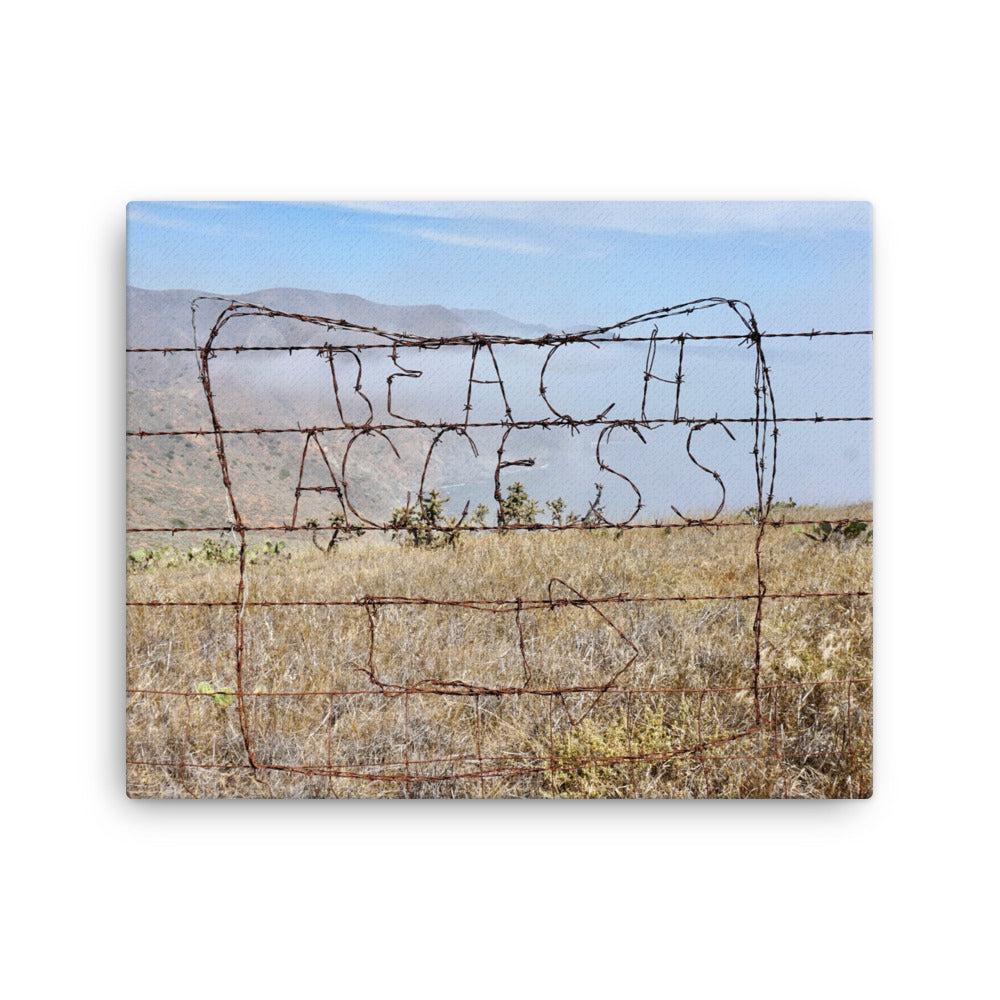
x=147 y=214
x=666 y=218
x=142 y=214
x=204 y=206
x=484 y=242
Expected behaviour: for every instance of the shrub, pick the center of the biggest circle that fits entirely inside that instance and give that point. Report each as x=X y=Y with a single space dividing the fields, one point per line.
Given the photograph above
x=556 y=507
x=211 y=551
x=753 y=513
x=342 y=531
x=420 y=525
x=848 y=531
x=588 y=764
x=518 y=507
x=223 y=697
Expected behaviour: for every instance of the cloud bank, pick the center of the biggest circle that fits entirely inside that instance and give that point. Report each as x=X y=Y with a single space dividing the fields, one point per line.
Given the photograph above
x=664 y=218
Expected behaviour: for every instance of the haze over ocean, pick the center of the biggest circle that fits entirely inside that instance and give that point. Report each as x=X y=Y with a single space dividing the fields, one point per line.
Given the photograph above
x=801 y=266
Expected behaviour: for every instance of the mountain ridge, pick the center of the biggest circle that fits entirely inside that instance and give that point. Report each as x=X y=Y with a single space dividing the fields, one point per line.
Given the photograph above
x=176 y=480
x=167 y=313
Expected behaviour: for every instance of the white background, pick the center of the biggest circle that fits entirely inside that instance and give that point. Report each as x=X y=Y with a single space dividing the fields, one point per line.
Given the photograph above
x=888 y=103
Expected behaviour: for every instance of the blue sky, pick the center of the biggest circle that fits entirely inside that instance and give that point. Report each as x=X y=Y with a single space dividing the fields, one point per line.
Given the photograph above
x=801 y=265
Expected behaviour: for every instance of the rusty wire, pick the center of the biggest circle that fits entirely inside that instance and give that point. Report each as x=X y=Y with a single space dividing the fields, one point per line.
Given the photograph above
x=764 y=421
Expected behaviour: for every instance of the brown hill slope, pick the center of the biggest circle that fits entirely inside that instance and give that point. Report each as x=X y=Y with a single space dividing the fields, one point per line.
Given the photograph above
x=175 y=481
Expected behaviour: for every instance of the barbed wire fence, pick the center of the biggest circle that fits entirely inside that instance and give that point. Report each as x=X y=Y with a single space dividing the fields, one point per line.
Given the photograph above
x=477 y=770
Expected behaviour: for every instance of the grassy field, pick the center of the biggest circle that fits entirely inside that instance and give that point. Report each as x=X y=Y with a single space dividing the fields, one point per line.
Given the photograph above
x=391 y=699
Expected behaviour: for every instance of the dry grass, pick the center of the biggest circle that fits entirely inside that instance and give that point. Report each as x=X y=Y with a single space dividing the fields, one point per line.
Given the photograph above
x=311 y=705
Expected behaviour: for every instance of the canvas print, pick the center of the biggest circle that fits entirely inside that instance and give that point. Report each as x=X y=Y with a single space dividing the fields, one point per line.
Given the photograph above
x=530 y=500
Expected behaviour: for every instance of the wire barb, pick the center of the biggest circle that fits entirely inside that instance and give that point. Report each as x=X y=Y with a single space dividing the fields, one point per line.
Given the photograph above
x=562 y=598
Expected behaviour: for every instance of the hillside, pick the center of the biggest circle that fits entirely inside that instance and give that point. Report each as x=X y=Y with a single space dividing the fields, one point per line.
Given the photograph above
x=681 y=672
x=176 y=481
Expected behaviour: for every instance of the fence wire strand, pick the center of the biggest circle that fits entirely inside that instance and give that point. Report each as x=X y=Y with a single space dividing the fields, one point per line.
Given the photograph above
x=410 y=769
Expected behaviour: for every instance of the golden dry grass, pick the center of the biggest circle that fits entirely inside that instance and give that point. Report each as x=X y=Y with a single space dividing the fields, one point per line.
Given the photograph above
x=322 y=728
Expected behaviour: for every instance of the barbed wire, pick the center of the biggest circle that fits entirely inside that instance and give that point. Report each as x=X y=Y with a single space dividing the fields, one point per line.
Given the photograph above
x=497 y=605
x=649 y=424
x=560 y=593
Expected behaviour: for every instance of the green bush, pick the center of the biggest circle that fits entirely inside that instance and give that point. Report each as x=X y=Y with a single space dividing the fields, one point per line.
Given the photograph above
x=210 y=551
x=223 y=697
x=341 y=532
x=556 y=508
x=518 y=507
x=827 y=531
x=588 y=757
x=753 y=513
x=421 y=525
